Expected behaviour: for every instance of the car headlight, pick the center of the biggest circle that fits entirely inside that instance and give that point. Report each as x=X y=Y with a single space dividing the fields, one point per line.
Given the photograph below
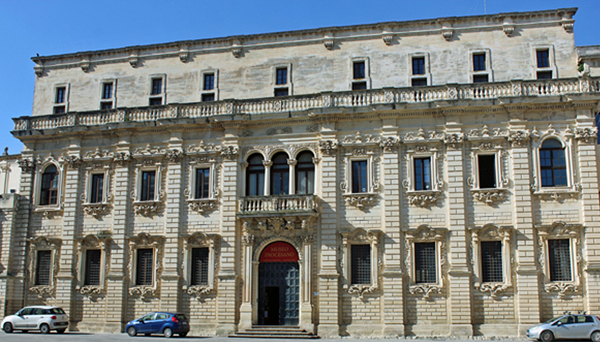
x=535 y=329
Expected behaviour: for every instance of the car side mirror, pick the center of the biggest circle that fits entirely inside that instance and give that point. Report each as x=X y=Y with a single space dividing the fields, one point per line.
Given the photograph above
x=558 y=324
x=20 y=314
x=141 y=320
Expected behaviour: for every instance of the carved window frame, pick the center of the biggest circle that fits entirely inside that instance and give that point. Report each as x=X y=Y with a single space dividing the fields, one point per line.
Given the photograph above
x=215 y=90
x=97 y=209
x=488 y=196
x=423 y=198
x=289 y=84
x=200 y=240
x=113 y=98
x=149 y=207
x=146 y=241
x=360 y=236
x=555 y=192
x=43 y=243
x=551 y=61
x=367 y=79
x=93 y=242
x=488 y=64
x=556 y=231
x=163 y=90
x=202 y=205
x=426 y=75
x=66 y=102
x=360 y=199
x=487 y=233
x=426 y=234
x=50 y=208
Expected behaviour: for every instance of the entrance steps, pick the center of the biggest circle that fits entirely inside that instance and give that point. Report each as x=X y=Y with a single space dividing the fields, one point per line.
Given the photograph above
x=275 y=331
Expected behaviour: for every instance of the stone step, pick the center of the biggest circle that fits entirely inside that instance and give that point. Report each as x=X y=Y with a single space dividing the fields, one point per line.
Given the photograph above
x=275 y=331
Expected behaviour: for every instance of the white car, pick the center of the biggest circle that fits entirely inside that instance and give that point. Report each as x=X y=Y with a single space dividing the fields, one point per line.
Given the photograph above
x=568 y=326
x=42 y=318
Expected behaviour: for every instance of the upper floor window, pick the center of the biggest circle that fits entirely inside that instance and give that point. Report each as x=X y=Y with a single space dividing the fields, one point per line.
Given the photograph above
x=480 y=66
x=96 y=192
x=419 y=75
x=361 y=264
x=544 y=67
x=491 y=261
x=486 y=165
x=148 y=185
x=282 y=80
x=359 y=176
x=156 y=86
x=199 y=266
x=209 y=81
x=43 y=267
x=418 y=66
x=425 y=262
x=559 y=259
x=144 y=266
x=202 y=183
x=281 y=76
x=552 y=164
x=543 y=58
x=280 y=175
x=479 y=62
x=157 y=91
x=305 y=173
x=107 y=95
x=92 y=266
x=255 y=176
x=60 y=99
x=49 y=188
x=422 y=169
x=359 y=74
x=209 y=86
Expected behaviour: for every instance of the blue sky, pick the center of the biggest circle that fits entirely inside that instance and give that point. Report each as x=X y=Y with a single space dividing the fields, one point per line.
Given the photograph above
x=56 y=27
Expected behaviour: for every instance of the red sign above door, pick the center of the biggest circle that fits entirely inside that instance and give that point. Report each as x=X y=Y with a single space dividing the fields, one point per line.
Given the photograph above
x=279 y=252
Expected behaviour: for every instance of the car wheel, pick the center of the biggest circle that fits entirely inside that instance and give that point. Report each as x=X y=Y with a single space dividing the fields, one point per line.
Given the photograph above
x=131 y=331
x=168 y=332
x=547 y=336
x=595 y=336
x=185 y=334
x=45 y=328
x=8 y=328
x=60 y=331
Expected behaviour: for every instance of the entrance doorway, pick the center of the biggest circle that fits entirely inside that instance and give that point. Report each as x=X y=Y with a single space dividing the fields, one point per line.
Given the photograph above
x=279 y=285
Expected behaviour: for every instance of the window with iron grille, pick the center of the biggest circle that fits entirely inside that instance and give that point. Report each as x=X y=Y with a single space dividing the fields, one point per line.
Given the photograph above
x=43 y=267
x=361 y=264
x=552 y=163
x=425 y=262
x=199 y=266
x=487 y=171
x=202 y=183
x=97 y=188
x=559 y=255
x=491 y=261
x=144 y=267
x=49 y=188
x=92 y=267
x=359 y=176
x=148 y=184
x=422 y=173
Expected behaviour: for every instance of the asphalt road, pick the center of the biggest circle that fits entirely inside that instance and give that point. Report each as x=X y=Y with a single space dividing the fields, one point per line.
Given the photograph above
x=76 y=337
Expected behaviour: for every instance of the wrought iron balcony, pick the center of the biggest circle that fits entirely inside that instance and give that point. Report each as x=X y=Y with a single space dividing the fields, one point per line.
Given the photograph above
x=283 y=205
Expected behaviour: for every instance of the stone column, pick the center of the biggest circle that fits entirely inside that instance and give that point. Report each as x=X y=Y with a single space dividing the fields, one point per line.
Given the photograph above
x=246 y=308
x=65 y=279
x=585 y=137
x=267 y=189
x=170 y=291
x=8 y=211
x=306 y=320
x=329 y=277
x=117 y=277
x=392 y=299
x=459 y=275
x=527 y=298
x=227 y=294
x=292 y=163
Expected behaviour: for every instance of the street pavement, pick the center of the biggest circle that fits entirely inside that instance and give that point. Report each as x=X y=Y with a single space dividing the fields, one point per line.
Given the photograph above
x=77 y=337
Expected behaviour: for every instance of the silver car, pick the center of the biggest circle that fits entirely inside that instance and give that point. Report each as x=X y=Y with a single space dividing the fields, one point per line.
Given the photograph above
x=42 y=318
x=567 y=326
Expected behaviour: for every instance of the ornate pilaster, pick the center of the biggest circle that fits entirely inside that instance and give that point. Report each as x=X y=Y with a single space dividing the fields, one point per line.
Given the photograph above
x=249 y=267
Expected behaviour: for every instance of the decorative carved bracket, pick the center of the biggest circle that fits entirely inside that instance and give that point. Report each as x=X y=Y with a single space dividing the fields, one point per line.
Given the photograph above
x=144 y=292
x=489 y=196
x=425 y=290
x=361 y=290
x=494 y=289
x=423 y=198
x=96 y=209
x=561 y=288
x=202 y=205
x=199 y=291
x=360 y=200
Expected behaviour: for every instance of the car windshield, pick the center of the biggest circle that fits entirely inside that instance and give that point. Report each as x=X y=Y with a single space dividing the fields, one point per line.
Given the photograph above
x=552 y=320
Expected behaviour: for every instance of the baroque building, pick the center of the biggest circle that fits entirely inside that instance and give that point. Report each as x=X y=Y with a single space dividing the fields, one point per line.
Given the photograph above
x=430 y=177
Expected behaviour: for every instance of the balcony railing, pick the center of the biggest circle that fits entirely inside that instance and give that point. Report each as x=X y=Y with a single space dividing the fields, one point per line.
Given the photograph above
x=476 y=91
x=281 y=204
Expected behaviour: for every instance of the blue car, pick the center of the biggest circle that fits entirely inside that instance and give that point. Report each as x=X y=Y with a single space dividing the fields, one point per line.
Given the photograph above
x=165 y=323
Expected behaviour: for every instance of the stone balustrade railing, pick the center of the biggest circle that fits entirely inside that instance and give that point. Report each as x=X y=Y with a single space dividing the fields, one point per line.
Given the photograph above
x=278 y=204
x=305 y=102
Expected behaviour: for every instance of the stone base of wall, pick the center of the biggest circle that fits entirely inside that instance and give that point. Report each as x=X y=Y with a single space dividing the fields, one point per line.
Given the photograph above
x=393 y=330
x=199 y=329
x=328 y=330
x=461 y=330
x=225 y=329
x=496 y=330
x=363 y=330
x=427 y=330
x=97 y=327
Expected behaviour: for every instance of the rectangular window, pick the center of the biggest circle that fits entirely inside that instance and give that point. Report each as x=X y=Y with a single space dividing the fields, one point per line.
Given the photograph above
x=92 y=267
x=208 y=97
x=418 y=82
x=156 y=86
x=491 y=261
x=358 y=70
x=281 y=92
x=425 y=262
x=202 y=185
x=361 y=264
x=543 y=60
x=106 y=105
x=97 y=188
x=480 y=78
x=144 y=267
x=479 y=62
x=418 y=65
x=60 y=98
x=209 y=82
x=281 y=76
x=487 y=171
x=559 y=252
x=148 y=184
x=359 y=176
x=359 y=85
x=155 y=101
x=544 y=75
x=199 y=266
x=422 y=174
x=107 y=89
x=43 y=267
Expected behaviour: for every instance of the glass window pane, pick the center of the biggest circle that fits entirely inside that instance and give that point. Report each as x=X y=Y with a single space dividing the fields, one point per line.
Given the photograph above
x=425 y=262
x=491 y=261
x=559 y=255
x=361 y=264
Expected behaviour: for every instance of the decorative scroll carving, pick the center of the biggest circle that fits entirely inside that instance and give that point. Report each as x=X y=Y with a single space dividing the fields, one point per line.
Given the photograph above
x=279 y=130
x=389 y=144
x=229 y=152
x=121 y=158
x=148 y=208
x=71 y=161
x=489 y=196
x=587 y=135
x=426 y=234
x=424 y=198
x=328 y=147
x=454 y=139
x=425 y=290
x=96 y=209
x=519 y=138
x=360 y=200
x=175 y=156
x=361 y=290
x=26 y=165
x=149 y=151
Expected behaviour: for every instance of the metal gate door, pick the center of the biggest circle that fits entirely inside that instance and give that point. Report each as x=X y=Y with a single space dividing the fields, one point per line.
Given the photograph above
x=286 y=277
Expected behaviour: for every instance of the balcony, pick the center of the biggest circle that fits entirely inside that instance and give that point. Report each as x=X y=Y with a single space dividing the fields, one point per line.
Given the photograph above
x=183 y=113
x=281 y=205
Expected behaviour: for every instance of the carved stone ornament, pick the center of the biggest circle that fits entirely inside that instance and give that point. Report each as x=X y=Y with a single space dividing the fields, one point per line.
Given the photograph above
x=494 y=289
x=149 y=151
x=175 y=156
x=359 y=140
x=144 y=240
x=329 y=42
x=236 y=51
x=360 y=200
x=43 y=243
x=184 y=53
x=328 y=147
x=519 y=138
x=388 y=38
x=389 y=144
x=421 y=136
x=279 y=130
x=100 y=241
x=121 y=158
x=423 y=199
x=26 y=165
x=587 y=135
x=148 y=208
x=562 y=288
x=361 y=290
x=96 y=210
x=72 y=162
x=199 y=291
x=489 y=196
x=144 y=292
x=229 y=152
x=202 y=205
x=454 y=139
x=425 y=290
x=508 y=27
x=134 y=58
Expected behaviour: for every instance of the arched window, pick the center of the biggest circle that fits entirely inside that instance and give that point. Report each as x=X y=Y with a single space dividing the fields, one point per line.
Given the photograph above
x=49 y=190
x=255 y=176
x=305 y=173
x=552 y=164
x=280 y=175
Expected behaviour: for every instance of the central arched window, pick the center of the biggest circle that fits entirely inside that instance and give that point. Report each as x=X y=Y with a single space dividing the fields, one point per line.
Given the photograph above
x=305 y=173
x=49 y=189
x=280 y=175
x=552 y=164
x=255 y=176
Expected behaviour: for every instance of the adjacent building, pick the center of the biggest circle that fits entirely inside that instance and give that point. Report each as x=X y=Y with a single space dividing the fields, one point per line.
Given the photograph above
x=429 y=177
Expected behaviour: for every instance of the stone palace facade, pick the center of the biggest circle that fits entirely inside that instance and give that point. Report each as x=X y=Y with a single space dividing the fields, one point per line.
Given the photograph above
x=430 y=177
